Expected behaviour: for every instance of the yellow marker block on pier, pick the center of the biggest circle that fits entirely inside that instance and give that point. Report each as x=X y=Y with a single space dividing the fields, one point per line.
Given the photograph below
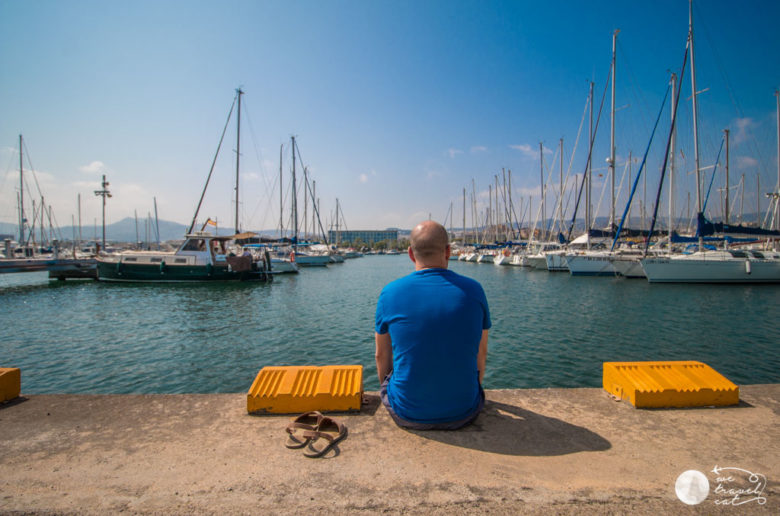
x=669 y=384
x=10 y=383
x=295 y=389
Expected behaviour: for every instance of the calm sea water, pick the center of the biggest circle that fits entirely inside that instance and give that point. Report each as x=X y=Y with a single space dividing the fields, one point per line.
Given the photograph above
x=549 y=330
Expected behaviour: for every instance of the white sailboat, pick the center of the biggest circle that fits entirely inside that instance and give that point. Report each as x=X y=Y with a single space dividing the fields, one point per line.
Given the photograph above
x=715 y=266
x=597 y=263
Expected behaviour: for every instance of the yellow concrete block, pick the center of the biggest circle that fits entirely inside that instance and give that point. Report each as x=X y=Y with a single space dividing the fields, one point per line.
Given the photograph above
x=10 y=383
x=296 y=389
x=669 y=384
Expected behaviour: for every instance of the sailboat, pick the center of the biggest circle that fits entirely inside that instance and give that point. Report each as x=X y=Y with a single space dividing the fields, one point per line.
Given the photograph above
x=597 y=263
x=715 y=266
x=202 y=257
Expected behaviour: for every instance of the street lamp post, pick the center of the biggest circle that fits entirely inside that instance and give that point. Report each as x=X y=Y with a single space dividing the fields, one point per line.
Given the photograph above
x=104 y=193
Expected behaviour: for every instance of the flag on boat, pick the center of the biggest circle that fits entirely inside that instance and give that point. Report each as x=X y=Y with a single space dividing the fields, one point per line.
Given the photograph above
x=212 y=222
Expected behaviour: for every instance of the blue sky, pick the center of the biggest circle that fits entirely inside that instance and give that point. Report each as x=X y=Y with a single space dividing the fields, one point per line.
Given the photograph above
x=396 y=106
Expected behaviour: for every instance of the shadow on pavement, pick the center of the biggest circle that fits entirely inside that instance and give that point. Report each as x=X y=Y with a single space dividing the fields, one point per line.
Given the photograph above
x=512 y=430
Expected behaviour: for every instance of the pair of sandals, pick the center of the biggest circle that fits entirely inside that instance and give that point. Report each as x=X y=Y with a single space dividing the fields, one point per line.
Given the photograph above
x=317 y=433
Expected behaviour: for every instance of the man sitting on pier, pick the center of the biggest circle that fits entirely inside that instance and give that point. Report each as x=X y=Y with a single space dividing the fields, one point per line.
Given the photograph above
x=431 y=339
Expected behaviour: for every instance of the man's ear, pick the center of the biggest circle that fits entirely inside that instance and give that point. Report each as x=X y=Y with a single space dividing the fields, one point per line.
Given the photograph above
x=449 y=251
x=411 y=254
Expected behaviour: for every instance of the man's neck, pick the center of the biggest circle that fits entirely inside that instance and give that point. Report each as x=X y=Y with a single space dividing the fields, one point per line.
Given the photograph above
x=419 y=267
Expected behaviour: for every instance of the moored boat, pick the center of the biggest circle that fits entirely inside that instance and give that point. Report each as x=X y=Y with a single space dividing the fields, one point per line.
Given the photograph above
x=201 y=257
x=727 y=266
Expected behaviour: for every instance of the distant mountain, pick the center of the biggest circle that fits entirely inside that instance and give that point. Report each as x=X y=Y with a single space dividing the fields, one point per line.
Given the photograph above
x=125 y=231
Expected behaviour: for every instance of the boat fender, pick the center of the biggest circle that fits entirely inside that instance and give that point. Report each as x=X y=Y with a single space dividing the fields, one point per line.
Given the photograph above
x=292 y=256
x=209 y=268
x=747 y=266
x=506 y=252
x=162 y=267
x=119 y=268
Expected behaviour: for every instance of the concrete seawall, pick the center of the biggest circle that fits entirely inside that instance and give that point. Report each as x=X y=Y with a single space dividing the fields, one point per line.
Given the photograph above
x=537 y=451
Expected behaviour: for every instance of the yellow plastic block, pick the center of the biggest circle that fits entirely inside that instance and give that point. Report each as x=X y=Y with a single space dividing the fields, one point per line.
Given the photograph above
x=10 y=383
x=295 y=389
x=669 y=384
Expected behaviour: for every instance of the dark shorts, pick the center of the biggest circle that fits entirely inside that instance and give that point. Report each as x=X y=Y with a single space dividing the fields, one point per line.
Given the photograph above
x=411 y=425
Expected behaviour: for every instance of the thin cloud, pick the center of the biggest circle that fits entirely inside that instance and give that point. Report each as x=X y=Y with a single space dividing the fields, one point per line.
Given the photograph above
x=96 y=167
x=454 y=152
x=744 y=129
x=746 y=162
x=364 y=178
x=478 y=148
x=529 y=151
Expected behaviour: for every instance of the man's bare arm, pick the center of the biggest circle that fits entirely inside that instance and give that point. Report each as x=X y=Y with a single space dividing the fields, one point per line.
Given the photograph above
x=383 y=355
x=482 y=354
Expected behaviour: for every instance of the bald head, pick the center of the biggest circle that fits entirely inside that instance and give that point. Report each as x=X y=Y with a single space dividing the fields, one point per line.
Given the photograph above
x=429 y=245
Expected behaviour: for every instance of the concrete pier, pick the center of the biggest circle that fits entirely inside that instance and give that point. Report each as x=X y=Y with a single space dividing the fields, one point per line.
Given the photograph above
x=546 y=451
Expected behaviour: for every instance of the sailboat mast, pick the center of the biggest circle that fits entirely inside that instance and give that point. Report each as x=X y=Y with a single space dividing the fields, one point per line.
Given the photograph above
x=671 y=164
x=588 y=215
x=281 y=195
x=238 y=149
x=338 y=235
x=79 y=202
x=777 y=198
x=490 y=210
x=156 y=223
x=726 y=207
x=612 y=132
x=21 y=193
x=464 y=216
x=560 y=199
x=541 y=178
x=294 y=198
x=474 y=209
x=695 y=117
x=314 y=208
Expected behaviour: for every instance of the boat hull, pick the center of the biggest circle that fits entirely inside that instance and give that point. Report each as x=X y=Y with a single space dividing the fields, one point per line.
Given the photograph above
x=162 y=273
x=502 y=259
x=537 y=261
x=556 y=262
x=283 y=266
x=675 y=270
x=590 y=265
x=628 y=267
x=304 y=260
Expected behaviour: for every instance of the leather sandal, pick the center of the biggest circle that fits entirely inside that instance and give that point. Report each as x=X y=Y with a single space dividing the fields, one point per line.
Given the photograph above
x=324 y=437
x=299 y=426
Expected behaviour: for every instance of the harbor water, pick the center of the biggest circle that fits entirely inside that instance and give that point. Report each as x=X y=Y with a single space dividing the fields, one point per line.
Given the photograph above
x=549 y=329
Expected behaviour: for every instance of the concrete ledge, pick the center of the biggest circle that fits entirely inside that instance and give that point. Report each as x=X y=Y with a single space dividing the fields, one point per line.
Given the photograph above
x=546 y=451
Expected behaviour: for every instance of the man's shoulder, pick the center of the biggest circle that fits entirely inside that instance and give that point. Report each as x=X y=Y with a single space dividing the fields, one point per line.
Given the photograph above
x=463 y=280
x=398 y=283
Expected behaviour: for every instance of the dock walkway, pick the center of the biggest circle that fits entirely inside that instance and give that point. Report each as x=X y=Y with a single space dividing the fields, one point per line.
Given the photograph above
x=537 y=451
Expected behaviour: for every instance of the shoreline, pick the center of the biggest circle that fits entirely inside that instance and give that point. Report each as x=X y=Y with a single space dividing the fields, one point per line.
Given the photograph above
x=531 y=451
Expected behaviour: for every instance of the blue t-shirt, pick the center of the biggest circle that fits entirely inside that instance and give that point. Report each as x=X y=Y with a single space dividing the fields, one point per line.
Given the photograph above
x=435 y=318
